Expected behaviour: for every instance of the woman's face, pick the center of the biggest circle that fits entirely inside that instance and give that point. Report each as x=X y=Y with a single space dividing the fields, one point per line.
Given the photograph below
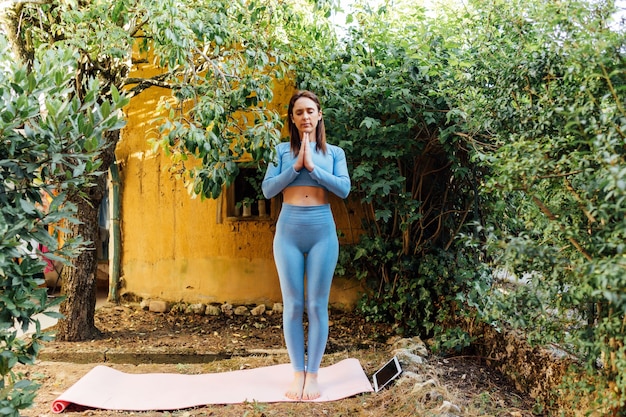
x=305 y=115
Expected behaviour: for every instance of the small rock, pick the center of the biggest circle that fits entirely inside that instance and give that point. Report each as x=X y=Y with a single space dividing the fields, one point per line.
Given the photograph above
x=423 y=386
x=198 y=308
x=277 y=308
x=242 y=311
x=411 y=376
x=413 y=345
x=159 y=306
x=448 y=407
x=212 y=310
x=394 y=340
x=434 y=395
x=145 y=304
x=407 y=358
x=227 y=309
x=258 y=310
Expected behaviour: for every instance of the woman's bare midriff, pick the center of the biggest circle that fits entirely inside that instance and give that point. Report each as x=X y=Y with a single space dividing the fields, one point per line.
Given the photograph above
x=303 y=195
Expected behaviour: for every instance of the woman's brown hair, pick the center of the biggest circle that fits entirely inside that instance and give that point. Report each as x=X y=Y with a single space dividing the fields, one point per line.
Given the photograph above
x=294 y=134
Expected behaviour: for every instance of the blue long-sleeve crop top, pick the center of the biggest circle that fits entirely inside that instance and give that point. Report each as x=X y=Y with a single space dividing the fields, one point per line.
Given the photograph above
x=330 y=172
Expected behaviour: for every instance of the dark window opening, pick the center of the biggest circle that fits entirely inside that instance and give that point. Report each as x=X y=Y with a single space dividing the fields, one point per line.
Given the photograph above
x=246 y=198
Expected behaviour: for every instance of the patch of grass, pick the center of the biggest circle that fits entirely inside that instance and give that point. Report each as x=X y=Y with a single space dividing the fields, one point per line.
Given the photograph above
x=424 y=390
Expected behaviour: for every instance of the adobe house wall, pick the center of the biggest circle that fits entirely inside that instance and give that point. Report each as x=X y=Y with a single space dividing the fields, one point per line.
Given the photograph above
x=178 y=248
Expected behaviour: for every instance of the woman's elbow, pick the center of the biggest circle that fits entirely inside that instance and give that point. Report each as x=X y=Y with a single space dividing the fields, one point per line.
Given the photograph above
x=267 y=191
x=344 y=191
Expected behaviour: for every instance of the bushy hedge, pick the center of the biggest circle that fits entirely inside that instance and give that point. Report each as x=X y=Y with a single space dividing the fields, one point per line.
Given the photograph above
x=489 y=141
x=410 y=169
x=543 y=88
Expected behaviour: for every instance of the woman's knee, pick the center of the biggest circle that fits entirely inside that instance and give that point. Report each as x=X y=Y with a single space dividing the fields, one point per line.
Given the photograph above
x=293 y=308
x=317 y=310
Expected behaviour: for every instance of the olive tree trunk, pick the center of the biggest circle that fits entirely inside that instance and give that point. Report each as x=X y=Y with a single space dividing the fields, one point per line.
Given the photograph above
x=78 y=282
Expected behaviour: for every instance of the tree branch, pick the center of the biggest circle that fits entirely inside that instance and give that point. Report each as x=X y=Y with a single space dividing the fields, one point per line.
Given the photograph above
x=564 y=174
x=545 y=210
x=579 y=200
x=145 y=83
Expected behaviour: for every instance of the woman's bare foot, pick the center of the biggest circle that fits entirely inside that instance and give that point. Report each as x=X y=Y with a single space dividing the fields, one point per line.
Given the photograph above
x=295 y=389
x=311 y=390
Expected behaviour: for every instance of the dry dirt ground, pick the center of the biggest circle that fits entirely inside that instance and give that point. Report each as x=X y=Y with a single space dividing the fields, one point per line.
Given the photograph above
x=252 y=341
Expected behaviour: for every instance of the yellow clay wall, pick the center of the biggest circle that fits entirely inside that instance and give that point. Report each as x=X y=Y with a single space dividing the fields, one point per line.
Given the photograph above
x=180 y=249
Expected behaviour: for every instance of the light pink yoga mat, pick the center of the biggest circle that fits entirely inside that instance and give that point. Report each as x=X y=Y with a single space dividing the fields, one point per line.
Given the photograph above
x=109 y=389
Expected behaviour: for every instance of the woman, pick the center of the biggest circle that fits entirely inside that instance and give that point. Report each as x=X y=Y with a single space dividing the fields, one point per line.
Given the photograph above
x=306 y=169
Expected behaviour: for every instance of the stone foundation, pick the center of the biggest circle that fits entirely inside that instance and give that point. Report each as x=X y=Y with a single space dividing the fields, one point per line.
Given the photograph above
x=535 y=371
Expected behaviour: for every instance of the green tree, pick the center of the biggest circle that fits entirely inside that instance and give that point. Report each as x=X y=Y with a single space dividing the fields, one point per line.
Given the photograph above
x=518 y=108
x=542 y=85
x=410 y=172
x=218 y=59
x=49 y=137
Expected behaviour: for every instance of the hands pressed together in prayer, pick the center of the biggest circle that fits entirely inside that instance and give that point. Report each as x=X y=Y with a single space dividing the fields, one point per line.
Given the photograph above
x=305 y=158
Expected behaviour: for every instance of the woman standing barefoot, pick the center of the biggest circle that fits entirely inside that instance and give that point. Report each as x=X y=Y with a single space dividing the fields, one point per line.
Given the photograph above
x=306 y=169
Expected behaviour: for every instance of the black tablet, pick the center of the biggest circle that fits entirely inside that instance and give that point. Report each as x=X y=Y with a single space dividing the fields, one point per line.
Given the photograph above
x=390 y=371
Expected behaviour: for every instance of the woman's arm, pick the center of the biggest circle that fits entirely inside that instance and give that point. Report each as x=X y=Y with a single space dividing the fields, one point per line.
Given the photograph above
x=338 y=181
x=275 y=181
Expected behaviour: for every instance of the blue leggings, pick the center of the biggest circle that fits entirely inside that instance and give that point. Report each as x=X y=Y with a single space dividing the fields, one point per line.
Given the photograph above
x=305 y=242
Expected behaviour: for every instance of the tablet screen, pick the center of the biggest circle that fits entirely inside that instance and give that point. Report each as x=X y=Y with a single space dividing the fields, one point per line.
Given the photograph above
x=386 y=374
